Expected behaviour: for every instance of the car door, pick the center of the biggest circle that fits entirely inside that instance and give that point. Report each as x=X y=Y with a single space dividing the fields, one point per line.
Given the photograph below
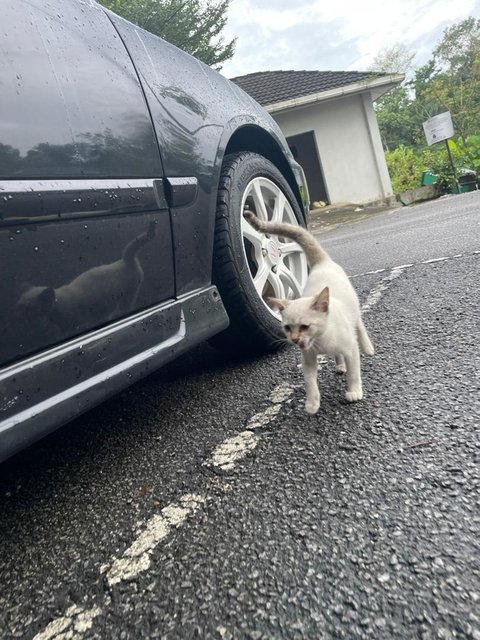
x=85 y=235
x=189 y=125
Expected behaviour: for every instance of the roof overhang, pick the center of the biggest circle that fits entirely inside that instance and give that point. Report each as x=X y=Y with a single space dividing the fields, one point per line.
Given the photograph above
x=376 y=87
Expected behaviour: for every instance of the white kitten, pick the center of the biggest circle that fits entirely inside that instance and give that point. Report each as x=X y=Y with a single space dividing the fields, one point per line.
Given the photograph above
x=326 y=319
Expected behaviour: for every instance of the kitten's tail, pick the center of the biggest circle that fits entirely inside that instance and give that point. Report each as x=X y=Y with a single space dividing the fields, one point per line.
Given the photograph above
x=301 y=236
x=130 y=251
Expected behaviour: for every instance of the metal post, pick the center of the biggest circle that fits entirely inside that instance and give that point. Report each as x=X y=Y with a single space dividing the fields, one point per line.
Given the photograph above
x=453 y=166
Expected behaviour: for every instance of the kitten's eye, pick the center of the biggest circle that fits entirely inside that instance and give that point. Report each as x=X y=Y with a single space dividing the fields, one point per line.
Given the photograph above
x=304 y=327
x=287 y=328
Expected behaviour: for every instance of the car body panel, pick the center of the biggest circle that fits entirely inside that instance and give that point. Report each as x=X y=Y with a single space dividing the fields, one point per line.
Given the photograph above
x=67 y=238
x=58 y=385
x=195 y=112
x=72 y=271
x=75 y=122
x=111 y=148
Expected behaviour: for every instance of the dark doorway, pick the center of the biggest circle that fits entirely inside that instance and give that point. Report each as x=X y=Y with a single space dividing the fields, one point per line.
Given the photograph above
x=305 y=153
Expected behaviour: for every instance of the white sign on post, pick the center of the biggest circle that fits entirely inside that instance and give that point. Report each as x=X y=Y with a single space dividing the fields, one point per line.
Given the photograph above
x=438 y=128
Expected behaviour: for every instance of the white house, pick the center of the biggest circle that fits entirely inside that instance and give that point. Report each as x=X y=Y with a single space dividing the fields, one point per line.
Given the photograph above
x=331 y=127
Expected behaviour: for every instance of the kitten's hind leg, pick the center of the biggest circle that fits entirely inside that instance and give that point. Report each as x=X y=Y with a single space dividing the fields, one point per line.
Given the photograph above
x=354 y=377
x=340 y=363
x=364 y=341
x=310 y=366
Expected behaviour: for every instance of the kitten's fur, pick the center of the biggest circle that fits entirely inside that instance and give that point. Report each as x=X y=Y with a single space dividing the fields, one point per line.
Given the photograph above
x=326 y=319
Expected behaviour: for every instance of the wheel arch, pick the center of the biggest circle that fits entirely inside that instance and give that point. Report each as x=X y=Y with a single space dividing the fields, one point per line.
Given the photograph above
x=253 y=138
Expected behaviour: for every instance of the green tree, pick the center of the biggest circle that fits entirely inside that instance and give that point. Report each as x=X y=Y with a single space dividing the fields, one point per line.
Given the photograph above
x=394 y=59
x=450 y=81
x=459 y=51
x=397 y=119
x=395 y=114
x=192 y=25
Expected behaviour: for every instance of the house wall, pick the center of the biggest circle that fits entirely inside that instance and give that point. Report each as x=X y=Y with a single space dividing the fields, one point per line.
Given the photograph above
x=349 y=146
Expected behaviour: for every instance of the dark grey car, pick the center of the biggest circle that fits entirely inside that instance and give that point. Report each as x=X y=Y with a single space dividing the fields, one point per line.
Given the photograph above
x=125 y=165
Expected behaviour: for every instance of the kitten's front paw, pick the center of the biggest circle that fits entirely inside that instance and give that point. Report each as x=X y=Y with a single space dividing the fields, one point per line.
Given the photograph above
x=312 y=407
x=354 y=396
x=341 y=368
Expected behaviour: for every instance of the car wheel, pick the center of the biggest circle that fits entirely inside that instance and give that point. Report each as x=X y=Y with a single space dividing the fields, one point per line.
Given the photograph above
x=249 y=266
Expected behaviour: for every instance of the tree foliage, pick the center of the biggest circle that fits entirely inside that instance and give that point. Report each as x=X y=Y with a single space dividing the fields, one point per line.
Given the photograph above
x=459 y=51
x=192 y=25
x=396 y=119
x=449 y=81
x=392 y=109
x=394 y=59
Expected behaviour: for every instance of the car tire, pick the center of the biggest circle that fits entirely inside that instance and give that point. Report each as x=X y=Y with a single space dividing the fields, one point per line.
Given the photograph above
x=248 y=267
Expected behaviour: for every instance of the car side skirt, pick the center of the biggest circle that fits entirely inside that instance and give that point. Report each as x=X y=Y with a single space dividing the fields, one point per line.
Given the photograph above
x=47 y=390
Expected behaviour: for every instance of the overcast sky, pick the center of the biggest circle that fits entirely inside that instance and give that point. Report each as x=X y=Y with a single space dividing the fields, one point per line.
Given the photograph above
x=335 y=35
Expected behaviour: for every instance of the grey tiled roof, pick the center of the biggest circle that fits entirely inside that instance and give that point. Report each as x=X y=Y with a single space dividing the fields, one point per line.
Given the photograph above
x=269 y=87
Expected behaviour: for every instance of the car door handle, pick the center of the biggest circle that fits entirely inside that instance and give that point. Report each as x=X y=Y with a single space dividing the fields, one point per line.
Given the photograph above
x=181 y=191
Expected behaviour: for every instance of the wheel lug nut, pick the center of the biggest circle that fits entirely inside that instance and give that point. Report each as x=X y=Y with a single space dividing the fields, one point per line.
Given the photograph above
x=274 y=269
x=264 y=252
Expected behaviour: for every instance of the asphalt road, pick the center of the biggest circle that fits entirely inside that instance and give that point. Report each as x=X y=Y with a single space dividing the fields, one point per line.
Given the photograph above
x=204 y=503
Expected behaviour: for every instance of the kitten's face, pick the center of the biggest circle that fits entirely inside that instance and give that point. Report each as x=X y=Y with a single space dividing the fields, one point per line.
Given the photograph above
x=303 y=324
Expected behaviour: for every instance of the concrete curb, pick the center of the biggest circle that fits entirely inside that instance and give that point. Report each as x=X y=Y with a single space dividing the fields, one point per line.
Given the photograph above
x=332 y=216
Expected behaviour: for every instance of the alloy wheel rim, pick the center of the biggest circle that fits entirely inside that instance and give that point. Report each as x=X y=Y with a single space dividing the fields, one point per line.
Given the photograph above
x=278 y=266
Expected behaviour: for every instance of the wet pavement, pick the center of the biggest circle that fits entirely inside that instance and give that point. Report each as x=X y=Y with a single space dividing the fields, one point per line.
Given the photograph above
x=360 y=522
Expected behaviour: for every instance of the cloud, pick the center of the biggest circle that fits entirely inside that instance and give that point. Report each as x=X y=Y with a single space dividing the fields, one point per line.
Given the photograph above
x=345 y=35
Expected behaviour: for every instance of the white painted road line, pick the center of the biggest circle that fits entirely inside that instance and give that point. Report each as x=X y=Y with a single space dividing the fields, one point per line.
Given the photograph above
x=414 y=264
x=377 y=292
x=280 y=394
x=436 y=260
x=77 y=619
x=233 y=449
x=71 y=626
x=137 y=557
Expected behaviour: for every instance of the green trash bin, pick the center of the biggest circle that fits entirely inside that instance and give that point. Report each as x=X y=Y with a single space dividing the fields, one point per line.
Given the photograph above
x=428 y=177
x=468 y=181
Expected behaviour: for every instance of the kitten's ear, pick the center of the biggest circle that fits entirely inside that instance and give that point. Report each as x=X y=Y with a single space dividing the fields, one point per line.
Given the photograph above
x=321 y=300
x=276 y=303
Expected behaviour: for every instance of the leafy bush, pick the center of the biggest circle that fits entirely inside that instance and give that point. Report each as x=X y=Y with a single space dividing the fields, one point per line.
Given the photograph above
x=406 y=164
x=467 y=152
x=404 y=168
